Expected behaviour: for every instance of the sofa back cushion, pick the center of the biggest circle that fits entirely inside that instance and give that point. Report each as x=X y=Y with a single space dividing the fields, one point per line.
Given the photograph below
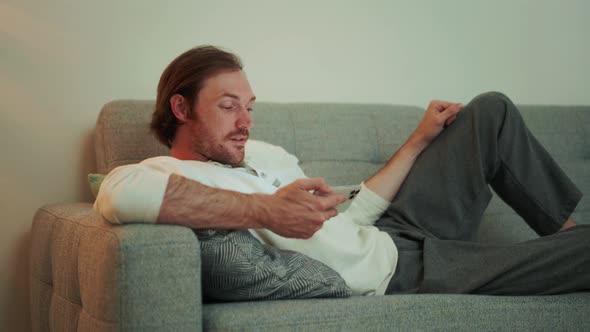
x=350 y=140
x=346 y=143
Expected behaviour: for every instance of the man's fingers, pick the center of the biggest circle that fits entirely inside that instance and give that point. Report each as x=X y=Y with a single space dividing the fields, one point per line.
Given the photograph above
x=332 y=200
x=325 y=216
x=452 y=110
x=318 y=184
x=439 y=105
x=450 y=114
x=443 y=106
x=331 y=213
x=450 y=120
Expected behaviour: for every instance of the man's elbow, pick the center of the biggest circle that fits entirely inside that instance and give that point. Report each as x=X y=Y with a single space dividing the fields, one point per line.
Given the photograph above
x=131 y=196
x=120 y=205
x=110 y=206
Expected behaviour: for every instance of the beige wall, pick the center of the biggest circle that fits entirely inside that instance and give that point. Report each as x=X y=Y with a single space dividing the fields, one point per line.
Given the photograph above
x=61 y=60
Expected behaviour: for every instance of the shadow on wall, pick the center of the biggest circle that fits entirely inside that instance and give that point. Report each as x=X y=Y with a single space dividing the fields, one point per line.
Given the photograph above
x=87 y=165
x=18 y=314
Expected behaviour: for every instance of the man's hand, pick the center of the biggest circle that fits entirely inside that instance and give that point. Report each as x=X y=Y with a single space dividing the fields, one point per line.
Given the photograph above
x=295 y=212
x=388 y=180
x=438 y=115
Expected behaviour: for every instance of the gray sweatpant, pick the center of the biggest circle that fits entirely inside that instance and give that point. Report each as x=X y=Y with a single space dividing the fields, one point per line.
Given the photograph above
x=435 y=216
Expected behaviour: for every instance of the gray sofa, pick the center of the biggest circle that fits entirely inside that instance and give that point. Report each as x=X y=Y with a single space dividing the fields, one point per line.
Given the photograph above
x=88 y=275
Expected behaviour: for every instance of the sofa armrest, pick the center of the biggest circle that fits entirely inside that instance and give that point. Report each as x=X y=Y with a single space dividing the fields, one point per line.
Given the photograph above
x=87 y=274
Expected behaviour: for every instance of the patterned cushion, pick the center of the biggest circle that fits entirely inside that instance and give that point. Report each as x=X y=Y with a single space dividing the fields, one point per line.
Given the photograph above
x=237 y=267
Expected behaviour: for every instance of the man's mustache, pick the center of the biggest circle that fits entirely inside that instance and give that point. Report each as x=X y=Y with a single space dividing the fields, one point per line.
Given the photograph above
x=239 y=133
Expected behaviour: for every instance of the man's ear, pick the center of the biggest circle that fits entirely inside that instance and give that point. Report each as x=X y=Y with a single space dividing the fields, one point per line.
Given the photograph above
x=179 y=107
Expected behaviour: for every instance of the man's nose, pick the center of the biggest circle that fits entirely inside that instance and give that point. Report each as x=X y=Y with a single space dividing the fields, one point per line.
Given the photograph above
x=245 y=119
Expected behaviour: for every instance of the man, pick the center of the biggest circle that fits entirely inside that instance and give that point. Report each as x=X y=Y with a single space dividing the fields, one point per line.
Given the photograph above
x=413 y=223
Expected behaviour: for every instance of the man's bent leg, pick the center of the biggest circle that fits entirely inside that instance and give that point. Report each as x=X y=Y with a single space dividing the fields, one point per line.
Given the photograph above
x=527 y=177
x=447 y=191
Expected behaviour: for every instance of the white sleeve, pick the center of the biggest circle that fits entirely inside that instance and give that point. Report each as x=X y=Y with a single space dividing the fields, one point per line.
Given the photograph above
x=132 y=193
x=366 y=207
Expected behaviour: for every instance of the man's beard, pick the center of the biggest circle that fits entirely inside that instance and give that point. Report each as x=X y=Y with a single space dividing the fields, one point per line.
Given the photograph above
x=219 y=151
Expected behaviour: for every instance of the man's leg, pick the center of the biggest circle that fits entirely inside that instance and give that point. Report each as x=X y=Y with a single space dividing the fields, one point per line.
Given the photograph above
x=553 y=264
x=446 y=192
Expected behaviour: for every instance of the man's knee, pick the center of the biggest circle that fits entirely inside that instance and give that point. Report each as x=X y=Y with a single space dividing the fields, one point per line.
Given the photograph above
x=492 y=105
x=490 y=98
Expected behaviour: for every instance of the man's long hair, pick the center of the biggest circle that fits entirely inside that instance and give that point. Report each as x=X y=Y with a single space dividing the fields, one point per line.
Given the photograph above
x=185 y=76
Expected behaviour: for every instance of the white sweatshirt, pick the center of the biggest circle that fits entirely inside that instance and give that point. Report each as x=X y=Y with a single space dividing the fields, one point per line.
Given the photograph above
x=364 y=256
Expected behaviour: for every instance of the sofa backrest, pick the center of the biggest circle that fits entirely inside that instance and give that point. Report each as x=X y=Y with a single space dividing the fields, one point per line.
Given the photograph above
x=122 y=135
x=343 y=142
x=346 y=143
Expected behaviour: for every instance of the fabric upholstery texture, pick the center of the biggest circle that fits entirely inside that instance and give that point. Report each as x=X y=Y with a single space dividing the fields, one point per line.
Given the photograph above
x=237 y=267
x=404 y=313
x=87 y=275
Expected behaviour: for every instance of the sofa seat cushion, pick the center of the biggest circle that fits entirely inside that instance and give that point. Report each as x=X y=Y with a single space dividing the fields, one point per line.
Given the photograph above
x=423 y=312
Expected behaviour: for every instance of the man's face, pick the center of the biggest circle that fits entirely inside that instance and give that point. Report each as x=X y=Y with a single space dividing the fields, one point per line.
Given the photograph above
x=221 y=119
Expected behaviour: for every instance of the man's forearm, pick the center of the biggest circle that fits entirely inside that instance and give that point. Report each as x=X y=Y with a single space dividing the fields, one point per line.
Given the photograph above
x=192 y=204
x=388 y=180
x=291 y=212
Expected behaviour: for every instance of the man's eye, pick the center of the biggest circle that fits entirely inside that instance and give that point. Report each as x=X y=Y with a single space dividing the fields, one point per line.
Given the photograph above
x=227 y=107
x=250 y=109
